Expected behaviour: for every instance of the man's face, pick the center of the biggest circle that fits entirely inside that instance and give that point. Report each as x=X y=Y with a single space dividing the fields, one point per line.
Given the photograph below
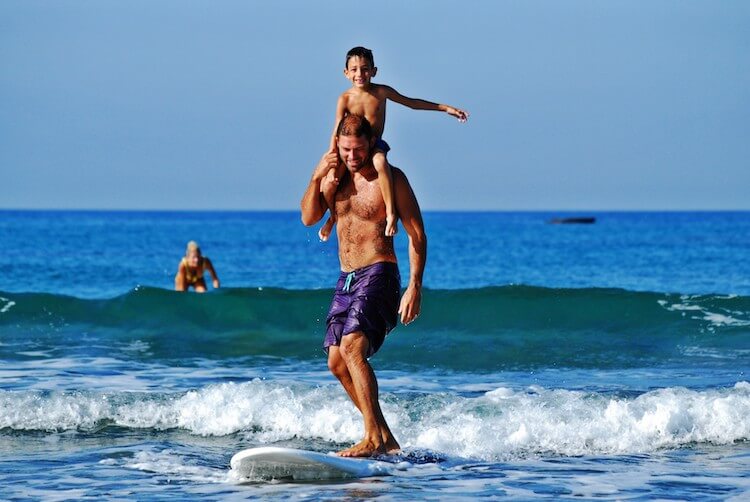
x=193 y=257
x=354 y=151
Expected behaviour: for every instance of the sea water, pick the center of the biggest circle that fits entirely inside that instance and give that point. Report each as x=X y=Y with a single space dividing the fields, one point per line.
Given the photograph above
x=604 y=361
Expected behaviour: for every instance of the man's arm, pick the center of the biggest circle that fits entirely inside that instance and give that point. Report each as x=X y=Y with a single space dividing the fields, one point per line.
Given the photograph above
x=411 y=219
x=210 y=268
x=179 y=279
x=421 y=104
x=313 y=204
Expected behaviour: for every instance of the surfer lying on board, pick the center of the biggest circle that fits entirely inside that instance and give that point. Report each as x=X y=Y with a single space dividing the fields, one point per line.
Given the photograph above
x=368 y=99
x=191 y=268
x=365 y=304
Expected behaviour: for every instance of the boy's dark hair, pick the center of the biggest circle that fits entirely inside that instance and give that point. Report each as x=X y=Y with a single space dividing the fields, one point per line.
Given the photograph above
x=354 y=125
x=361 y=52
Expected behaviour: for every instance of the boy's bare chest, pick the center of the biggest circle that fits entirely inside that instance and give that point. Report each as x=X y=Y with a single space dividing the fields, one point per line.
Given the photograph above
x=367 y=105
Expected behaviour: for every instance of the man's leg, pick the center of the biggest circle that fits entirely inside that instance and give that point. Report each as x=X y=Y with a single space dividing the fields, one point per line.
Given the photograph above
x=363 y=389
x=337 y=365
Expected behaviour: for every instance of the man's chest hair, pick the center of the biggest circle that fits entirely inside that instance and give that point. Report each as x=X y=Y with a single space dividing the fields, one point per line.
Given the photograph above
x=363 y=201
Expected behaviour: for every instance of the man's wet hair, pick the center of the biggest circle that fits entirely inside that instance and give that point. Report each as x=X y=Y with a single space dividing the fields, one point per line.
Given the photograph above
x=354 y=125
x=361 y=52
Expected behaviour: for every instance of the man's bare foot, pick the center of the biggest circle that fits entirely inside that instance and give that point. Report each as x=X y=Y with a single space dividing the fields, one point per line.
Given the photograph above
x=364 y=448
x=392 y=447
x=390 y=225
x=325 y=231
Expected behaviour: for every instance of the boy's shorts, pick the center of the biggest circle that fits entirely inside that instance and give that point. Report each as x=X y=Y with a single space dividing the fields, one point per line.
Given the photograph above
x=365 y=300
x=382 y=146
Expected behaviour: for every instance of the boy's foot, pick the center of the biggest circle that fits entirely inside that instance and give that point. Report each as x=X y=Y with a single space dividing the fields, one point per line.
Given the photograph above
x=391 y=226
x=325 y=231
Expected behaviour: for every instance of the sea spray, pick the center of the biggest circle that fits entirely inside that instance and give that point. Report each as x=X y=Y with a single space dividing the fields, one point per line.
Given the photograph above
x=500 y=424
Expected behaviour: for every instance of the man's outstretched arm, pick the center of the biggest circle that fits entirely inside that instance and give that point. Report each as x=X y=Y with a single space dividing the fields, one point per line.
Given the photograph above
x=411 y=219
x=313 y=205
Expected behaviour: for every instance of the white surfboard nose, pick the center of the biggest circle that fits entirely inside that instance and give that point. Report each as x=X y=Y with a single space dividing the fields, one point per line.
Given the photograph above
x=274 y=462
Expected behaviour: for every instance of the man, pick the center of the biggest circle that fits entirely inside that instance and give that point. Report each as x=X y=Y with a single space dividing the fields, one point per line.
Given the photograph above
x=366 y=304
x=191 y=269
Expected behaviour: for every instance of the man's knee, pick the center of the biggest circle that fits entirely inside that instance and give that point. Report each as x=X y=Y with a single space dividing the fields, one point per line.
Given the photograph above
x=354 y=346
x=336 y=364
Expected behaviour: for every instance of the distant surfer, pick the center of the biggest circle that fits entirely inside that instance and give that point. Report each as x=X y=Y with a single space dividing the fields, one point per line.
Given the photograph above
x=369 y=99
x=365 y=304
x=191 y=269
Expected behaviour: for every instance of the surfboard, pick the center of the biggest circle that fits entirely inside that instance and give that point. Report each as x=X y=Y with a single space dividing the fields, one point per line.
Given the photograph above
x=274 y=462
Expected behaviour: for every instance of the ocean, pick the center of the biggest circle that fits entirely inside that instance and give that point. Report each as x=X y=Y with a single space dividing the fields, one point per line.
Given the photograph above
x=608 y=361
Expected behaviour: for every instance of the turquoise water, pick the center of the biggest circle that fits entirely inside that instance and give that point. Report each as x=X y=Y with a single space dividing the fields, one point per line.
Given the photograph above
x=605 y=361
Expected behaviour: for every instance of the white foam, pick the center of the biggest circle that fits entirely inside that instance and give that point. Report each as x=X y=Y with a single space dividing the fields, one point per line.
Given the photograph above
x=8 y=304
x=716 y=319
x=578 y=423
x=173 y=465
x=499 y=424
x=713 y=353
x=678 y=306
x=723 y=320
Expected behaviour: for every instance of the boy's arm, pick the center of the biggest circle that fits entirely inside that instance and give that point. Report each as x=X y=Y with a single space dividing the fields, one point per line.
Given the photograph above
x=411 y=219
x=421 y=104
x=340 y=112
x=313 y=205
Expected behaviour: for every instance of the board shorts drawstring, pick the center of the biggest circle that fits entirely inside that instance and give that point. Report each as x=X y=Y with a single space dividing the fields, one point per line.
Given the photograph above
x=349 y=278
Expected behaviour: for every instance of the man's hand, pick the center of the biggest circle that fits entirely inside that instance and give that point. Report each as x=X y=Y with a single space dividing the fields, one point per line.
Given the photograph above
x=411 y=304
x=312 y=205
x=328 y=162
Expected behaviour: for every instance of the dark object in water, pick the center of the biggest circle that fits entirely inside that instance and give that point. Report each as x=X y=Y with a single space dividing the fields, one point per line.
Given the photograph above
x=583 y=219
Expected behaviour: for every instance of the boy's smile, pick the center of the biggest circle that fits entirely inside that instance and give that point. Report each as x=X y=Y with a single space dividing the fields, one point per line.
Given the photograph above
x=359 y=71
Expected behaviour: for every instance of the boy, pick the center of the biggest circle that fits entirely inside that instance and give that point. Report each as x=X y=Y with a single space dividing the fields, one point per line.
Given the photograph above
x=369 y=100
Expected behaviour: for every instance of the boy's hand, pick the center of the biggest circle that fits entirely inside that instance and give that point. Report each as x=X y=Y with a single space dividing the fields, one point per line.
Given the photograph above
x=329 y=180
x=461 y=115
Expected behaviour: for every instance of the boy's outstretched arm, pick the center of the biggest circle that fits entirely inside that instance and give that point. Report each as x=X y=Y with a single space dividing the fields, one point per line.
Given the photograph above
x=421 y=104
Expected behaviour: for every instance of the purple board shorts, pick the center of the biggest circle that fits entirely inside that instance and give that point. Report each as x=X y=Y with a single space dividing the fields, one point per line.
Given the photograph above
x=365 y=300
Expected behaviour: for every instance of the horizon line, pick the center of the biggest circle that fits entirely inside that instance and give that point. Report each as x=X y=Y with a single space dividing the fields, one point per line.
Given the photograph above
x=204 y=210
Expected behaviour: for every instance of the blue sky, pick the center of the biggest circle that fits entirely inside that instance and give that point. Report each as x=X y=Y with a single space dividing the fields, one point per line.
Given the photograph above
x=229 y=104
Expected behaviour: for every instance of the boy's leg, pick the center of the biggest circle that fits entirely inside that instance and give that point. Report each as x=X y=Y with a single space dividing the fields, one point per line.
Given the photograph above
x=385 y=180
x=329 y=194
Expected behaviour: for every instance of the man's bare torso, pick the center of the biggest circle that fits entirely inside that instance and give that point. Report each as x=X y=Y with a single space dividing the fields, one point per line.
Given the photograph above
x=360 y=212
x=370 y=104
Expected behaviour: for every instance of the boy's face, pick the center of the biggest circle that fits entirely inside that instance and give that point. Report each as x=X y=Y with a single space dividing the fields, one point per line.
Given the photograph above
x=359 y=71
